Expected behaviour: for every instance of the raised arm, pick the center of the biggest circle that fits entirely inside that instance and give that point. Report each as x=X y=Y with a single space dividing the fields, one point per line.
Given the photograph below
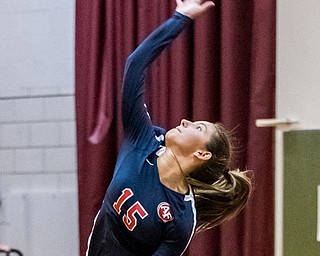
x=136 y=122
x=135 y=119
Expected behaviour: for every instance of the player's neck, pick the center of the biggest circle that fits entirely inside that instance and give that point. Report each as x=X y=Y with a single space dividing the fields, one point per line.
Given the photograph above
x=171 y=172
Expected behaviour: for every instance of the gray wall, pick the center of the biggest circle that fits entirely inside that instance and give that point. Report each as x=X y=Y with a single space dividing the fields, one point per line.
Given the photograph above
x=38 y=182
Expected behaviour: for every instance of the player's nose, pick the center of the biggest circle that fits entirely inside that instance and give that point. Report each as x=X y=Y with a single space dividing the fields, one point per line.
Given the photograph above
x=185 y=123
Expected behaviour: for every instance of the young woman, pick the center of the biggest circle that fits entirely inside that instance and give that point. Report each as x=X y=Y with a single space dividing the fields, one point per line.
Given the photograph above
x=161 y=194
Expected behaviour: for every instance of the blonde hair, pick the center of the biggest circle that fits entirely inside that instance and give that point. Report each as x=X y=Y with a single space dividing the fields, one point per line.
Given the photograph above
x=220 y=193
x=222 y=200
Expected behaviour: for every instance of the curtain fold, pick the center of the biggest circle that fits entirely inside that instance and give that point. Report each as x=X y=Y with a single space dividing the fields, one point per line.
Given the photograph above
x=222 y=68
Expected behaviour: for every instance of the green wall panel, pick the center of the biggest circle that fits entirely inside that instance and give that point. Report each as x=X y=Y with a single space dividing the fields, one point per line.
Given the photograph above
x=301 y=180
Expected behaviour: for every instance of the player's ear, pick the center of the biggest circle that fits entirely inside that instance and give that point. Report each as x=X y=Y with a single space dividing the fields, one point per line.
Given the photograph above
x=203 y=155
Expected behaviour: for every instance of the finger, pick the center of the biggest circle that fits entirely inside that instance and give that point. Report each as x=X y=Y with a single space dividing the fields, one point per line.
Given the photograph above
x=207 y=5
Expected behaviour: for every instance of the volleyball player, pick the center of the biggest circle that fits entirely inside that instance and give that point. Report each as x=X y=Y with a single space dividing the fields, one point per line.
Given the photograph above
x=166 y=186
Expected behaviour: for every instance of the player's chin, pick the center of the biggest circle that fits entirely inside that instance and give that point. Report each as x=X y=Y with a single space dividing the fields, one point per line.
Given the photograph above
x=172 y=134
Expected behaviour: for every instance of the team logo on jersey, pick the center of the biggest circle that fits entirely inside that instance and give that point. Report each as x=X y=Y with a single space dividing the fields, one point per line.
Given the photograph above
x=164 y=212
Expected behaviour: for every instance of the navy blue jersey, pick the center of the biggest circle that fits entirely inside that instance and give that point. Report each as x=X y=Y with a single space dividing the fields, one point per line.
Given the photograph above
x=140 y=215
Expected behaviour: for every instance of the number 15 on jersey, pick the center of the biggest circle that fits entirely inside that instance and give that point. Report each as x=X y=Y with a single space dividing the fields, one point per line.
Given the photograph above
x=129 y=219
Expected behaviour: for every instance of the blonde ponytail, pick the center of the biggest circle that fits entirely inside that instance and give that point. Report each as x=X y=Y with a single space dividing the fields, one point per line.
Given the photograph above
x=220 y=193
x=222 y=200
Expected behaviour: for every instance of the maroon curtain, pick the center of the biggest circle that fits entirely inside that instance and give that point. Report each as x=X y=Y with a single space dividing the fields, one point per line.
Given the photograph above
x=222 y=68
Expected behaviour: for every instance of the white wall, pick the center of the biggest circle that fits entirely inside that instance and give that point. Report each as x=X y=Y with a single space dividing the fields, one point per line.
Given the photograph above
x=297 y=83
x=38 y=181
x=37 y=42
x=298 y=62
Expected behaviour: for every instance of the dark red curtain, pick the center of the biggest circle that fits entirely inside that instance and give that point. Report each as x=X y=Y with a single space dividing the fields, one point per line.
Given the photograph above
x=222 y=68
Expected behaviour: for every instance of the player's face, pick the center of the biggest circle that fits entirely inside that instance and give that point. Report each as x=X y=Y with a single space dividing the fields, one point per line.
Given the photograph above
x=190 y=136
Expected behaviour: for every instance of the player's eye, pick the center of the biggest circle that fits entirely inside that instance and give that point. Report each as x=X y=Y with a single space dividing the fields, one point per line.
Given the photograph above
x=199 y=128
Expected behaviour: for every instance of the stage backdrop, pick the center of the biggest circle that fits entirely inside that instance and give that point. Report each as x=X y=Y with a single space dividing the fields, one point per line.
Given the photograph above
x=221 y=69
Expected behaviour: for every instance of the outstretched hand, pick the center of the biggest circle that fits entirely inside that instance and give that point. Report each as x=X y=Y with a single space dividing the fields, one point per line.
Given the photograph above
x=193 y=8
